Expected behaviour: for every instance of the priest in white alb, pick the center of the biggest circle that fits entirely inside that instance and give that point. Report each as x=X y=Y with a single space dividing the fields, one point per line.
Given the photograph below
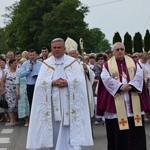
x=123 y=100
x=60 y=118
x=72 y=50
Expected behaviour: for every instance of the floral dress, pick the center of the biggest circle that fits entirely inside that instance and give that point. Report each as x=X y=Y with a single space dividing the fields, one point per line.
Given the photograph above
x=23 y=103
x=10 y=90
x=1 y=109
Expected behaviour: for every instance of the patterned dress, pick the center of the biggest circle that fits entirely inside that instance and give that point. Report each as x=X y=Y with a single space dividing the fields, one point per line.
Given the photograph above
x=97 y=70
x=1 y=109
x=10 y=90
x=23 y=104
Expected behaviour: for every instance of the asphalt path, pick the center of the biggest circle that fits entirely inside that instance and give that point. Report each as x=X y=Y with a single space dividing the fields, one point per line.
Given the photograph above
x=14 y=138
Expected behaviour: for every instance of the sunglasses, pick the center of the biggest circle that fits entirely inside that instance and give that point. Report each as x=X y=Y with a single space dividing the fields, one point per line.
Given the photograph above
x=122 y=49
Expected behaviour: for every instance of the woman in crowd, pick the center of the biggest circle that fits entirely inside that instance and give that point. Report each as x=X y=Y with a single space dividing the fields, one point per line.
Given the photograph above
x=9 y=89
x=100 y=59
x=2 y=67
x=21 y=91
x=136 y=57
x=24 y=54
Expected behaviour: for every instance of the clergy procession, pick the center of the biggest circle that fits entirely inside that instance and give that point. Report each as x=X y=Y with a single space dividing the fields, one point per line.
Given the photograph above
x=61 y=94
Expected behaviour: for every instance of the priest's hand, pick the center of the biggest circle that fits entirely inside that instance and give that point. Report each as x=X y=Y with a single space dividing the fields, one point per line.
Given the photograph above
x=125 y=87
x=56 y=82
x=63 y=83
x=60 y=83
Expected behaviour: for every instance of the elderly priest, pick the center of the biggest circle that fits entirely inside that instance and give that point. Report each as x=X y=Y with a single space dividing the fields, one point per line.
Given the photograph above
x=123 y=100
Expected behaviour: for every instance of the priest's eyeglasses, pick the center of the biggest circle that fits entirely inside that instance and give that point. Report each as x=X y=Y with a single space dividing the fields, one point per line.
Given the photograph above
x=122 y=49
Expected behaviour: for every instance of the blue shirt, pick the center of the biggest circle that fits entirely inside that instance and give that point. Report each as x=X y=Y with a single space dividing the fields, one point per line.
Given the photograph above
x=31 y=76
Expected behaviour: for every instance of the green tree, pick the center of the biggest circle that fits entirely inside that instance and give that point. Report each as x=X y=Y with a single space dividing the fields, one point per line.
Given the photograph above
x=10 y=30
x=137 y=42
x=35 y=23
x=65 y=20
x=3 y=45
x=128 y=43
x=117 y=38
x=95 y=41
x=147 y=41
x=26 y=22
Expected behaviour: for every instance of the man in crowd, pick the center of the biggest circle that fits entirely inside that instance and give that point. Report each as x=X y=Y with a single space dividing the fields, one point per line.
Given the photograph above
x=30 y=70
x=122 y=99
x=60 y=118
x=44 y=54
x=10 y=55
x=18 y=58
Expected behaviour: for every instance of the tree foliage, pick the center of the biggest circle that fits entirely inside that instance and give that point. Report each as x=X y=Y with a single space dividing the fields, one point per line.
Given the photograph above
x=35 y=23
x=117 y=38
x=65 y=20
x=128 y=43
x=26 y=23
x=138 y=43
x=95 y=41
x=147 y=41
x=3 y=40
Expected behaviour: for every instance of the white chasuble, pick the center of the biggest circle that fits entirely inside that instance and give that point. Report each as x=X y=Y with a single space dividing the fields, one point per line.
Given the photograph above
x=60 y=118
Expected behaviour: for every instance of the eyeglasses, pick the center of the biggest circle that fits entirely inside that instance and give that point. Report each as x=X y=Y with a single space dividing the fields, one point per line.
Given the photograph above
x=122 y=49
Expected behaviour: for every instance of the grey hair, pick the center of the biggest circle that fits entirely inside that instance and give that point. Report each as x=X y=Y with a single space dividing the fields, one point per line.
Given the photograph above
x=117 y=43
x=10 y=52
x=3 y=56
x=57 y=40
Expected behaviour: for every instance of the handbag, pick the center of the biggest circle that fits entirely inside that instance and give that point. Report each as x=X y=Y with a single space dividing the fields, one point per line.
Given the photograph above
x=3 y=102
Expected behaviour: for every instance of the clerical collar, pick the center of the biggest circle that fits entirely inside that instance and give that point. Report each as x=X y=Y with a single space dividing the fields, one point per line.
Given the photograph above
x=121 y=59
x=59 y=61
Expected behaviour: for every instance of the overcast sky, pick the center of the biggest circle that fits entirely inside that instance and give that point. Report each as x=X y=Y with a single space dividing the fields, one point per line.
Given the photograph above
x=110 y=15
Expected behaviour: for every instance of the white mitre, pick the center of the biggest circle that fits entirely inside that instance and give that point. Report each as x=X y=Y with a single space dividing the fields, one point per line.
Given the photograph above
x=70 y=45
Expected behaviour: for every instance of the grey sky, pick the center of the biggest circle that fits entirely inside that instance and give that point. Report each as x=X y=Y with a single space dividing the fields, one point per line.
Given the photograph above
x=111 y=15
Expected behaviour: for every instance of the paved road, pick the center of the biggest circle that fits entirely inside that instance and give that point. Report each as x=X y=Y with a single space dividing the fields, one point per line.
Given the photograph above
x=14 y=138
x=100 y=142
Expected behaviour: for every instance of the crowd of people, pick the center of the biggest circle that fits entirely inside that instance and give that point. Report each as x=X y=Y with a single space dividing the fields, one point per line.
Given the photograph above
x=17 y=80
x=60 y=92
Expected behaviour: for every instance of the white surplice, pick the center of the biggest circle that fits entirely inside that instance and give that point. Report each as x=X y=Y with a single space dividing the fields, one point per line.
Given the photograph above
x=60 y=118
x=112 y=85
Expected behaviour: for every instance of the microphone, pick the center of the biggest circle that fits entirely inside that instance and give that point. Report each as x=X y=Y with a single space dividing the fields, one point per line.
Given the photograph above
x=31 y=62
